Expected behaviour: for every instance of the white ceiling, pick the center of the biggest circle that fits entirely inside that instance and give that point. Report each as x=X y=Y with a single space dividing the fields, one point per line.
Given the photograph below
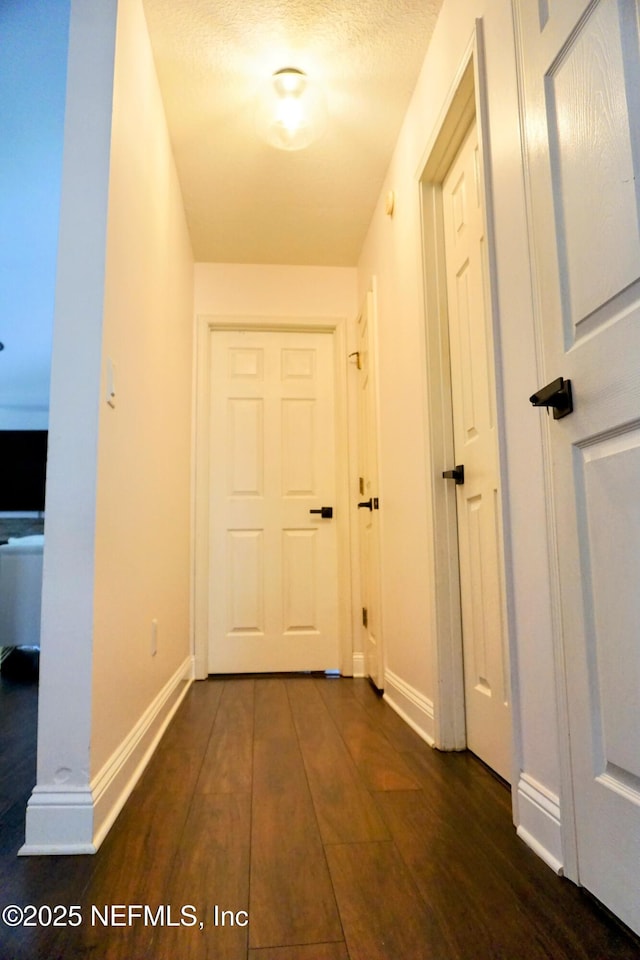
x=247 y=202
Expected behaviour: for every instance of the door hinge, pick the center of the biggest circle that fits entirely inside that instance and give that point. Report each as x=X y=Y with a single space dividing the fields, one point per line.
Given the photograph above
x=361 y=485
x=365 y=617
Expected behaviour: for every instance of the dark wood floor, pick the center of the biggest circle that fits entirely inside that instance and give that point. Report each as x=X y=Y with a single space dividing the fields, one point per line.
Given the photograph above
x=310 y=805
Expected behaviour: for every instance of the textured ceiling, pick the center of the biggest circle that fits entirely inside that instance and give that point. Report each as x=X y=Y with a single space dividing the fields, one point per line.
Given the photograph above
x=245 y=201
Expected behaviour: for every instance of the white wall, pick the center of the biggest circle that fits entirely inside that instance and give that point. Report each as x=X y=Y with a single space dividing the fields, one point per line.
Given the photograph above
x=60 y=811
x=392 y=252
x=232 y=289
x=117 y=552
x=144 y=457
x=32 y=93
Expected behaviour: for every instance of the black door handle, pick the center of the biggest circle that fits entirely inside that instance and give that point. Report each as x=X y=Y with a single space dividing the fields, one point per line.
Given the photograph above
x=457 y=474
x=557 y=395
x=325 y=512
x=366 y=504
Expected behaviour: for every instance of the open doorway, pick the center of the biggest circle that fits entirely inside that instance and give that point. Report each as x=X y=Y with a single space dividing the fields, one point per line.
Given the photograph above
x=472 y=649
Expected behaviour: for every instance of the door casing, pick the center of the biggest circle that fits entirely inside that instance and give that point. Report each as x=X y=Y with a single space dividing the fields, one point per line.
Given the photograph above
x=206 y=324
x=370 y=307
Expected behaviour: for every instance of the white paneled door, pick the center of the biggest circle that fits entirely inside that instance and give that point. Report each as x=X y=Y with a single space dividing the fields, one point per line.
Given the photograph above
x=273 y=554
x=486 y=669
x=580 y=66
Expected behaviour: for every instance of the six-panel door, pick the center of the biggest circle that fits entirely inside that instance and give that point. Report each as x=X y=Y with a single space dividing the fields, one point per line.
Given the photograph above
x=273 y=563
x=580 y=64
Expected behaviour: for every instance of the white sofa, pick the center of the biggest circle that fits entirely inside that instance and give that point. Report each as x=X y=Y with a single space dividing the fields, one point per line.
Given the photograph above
x=20 y=591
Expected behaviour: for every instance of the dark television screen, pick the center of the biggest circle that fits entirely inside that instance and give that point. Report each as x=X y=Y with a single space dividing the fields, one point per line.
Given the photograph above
x=23 y=465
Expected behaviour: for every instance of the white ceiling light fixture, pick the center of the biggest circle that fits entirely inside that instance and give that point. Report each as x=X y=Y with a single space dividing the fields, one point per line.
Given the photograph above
x=290 y=110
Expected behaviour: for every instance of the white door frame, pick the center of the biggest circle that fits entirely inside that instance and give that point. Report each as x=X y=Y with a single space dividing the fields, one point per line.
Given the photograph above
x=205 y=326
x=466 y=100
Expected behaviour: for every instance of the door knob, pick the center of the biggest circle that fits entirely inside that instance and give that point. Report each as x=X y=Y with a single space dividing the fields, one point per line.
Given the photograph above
x=371 y=504
x=325 y=512
x=457 y=474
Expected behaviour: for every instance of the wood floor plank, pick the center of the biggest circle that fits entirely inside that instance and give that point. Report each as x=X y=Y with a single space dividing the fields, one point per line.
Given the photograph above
x=459 y=771
x=345 y=810
x=134 y=866
x=135 y=862
x=379 y=764
x=457 y=781
x=461 y=883
x=177 y=763
x=19 y=783
x=18 y=741
x=228 y=762
x=453 y=883
x=40 y=881
x=502 y=907
x=397 y=732
x=211 y=872
x=292 y=899
x=197 y=713
x=272 y=716
x=314 y=951
x=382 y=914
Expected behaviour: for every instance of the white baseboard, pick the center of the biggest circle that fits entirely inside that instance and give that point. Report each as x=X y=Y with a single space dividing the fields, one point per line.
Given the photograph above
x=359 y=665
x=113 y=784
x=411 y=705
x=63 y=821
x=59 y=821
x=539 y=826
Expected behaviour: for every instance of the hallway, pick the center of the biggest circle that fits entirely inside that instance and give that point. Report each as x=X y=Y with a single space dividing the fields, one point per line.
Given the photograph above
x=309 y=804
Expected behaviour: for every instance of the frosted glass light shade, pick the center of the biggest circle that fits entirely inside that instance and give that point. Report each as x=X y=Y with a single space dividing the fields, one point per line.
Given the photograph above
x=290 y=110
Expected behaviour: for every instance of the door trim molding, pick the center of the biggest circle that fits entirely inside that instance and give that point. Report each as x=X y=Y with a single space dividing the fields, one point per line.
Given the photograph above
x=449 y=726
x=539 y=825
x=206 y=325
x=466 y=101
x=369 y=304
